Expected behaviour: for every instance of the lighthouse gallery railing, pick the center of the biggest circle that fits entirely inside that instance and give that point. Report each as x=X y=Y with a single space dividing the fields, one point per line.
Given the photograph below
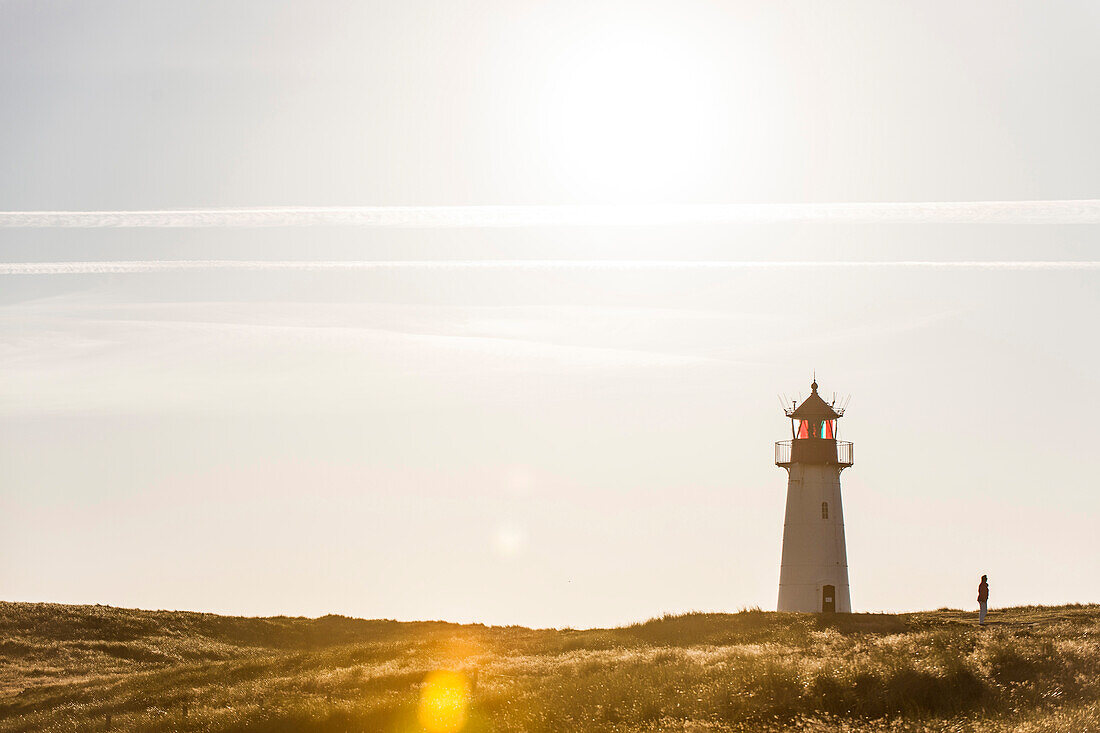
x=845 y=452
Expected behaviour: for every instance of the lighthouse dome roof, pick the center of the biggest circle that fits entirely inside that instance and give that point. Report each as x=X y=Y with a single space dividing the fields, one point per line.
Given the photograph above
x=814 y=408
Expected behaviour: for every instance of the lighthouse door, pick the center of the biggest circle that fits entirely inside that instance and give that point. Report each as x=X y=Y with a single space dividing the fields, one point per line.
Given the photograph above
x=828 y=599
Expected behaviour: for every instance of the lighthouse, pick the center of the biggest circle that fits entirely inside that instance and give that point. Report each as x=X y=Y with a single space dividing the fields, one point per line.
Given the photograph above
x=813 y=574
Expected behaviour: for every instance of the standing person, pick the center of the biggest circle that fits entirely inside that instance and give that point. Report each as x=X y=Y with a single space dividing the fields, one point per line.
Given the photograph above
x=983 y=600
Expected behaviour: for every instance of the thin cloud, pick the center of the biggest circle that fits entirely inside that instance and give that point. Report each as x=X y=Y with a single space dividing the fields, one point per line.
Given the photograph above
x=1083 y=211
x=129 y=357
x=154 y=266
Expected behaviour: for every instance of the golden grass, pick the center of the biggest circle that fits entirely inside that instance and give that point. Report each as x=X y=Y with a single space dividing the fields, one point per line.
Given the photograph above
x=1032 y=669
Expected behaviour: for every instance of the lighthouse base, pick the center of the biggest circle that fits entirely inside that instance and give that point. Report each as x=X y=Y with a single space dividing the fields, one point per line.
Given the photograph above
x=816 y=598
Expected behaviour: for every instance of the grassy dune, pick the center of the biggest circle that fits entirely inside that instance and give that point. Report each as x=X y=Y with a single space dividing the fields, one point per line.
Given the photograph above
x=83 y=667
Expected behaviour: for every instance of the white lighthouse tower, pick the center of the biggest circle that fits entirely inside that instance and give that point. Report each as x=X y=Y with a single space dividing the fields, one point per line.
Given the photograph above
x=813 y=574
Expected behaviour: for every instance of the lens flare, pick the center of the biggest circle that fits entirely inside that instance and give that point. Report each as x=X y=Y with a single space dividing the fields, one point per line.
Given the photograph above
x=444 y=702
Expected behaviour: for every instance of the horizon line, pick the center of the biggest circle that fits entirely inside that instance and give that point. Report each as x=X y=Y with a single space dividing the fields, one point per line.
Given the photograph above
x=1054 y=211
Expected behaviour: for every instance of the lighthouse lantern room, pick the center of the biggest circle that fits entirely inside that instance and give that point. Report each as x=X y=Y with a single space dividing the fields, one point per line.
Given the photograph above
x=813 y=575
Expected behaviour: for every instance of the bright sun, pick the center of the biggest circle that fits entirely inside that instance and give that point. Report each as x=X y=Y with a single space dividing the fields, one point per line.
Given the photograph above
x=631 y=113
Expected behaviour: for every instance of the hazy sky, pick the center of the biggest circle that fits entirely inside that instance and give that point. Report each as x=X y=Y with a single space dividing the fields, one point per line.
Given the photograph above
x=545 y=446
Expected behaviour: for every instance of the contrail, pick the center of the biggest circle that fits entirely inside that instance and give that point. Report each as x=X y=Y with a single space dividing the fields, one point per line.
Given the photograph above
x=154 y=266
x=1083 y=211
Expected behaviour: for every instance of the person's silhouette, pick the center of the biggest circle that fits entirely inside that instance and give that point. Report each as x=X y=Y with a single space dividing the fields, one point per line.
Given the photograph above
x=983 y=600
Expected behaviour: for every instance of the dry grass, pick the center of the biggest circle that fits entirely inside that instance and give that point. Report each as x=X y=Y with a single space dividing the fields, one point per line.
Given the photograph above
x=1031 y=670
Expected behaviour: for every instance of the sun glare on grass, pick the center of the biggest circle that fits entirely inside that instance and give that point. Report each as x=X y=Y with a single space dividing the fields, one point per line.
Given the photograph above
x=444 y=702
